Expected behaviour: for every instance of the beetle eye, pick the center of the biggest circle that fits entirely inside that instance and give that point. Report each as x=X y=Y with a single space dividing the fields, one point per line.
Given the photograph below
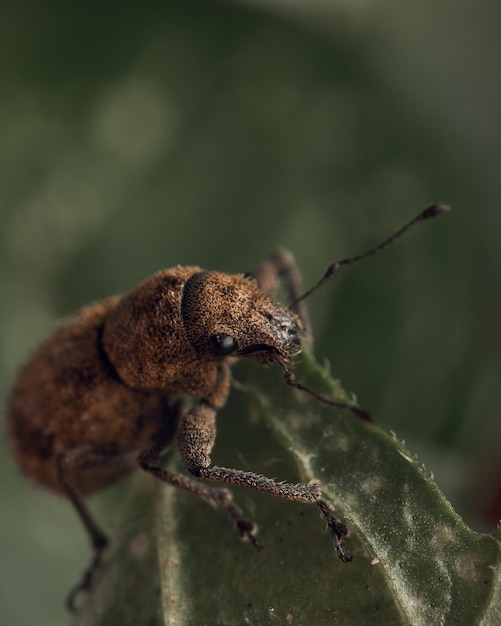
x=222 y=344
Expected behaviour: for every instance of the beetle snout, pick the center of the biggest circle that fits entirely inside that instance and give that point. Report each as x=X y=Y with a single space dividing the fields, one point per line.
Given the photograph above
x=289 y=333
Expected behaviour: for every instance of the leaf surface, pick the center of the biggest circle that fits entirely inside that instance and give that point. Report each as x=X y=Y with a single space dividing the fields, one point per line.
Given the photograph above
x=414 y=560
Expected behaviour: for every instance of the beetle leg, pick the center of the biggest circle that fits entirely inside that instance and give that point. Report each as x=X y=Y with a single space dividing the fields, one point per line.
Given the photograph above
x=282 y=265
x=74 y=466
x=196 y=436
x=149 y=461
x=98 y=539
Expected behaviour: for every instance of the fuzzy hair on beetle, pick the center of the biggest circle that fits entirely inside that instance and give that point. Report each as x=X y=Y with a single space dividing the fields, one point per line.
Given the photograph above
x=104 y=394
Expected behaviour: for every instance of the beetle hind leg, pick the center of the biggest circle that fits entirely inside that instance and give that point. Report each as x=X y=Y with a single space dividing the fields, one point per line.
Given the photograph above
x=85 y=583
x=98 y=539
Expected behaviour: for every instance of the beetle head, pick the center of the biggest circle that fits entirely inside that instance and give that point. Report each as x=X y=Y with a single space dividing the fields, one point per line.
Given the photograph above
x=229 y=316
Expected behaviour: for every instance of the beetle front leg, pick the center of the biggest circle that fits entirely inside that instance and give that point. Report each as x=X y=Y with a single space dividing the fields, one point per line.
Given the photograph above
x=196 y=436
x=149 y=461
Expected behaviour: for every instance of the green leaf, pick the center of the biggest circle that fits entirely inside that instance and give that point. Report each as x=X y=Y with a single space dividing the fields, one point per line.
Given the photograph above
x=414 y=560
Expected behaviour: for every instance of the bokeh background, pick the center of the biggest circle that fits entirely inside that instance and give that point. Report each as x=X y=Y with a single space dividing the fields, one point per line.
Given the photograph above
x=138 y=137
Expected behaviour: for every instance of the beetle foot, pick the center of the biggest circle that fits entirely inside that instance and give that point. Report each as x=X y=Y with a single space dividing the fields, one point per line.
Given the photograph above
x=85 y=584
x=246 y=530
x=337 y=528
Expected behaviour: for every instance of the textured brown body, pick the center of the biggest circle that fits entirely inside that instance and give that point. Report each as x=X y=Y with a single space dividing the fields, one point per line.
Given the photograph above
x=101 y=396
x=70 y=395
x=104 y=381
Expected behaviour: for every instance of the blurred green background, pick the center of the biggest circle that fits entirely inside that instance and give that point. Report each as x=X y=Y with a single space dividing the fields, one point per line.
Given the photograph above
x=138 y=137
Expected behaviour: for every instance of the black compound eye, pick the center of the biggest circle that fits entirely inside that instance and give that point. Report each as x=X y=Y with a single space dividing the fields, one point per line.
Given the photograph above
x=222 y=344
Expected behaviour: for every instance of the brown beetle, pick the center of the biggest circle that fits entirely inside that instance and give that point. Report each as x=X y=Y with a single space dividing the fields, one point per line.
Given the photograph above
x=104 y=393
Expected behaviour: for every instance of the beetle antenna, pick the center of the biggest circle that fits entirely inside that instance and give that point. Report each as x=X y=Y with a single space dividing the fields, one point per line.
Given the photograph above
x=428 y=213
x=290 y=379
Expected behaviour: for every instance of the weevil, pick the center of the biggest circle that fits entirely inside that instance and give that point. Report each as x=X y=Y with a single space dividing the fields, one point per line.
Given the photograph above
x=104 y=394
